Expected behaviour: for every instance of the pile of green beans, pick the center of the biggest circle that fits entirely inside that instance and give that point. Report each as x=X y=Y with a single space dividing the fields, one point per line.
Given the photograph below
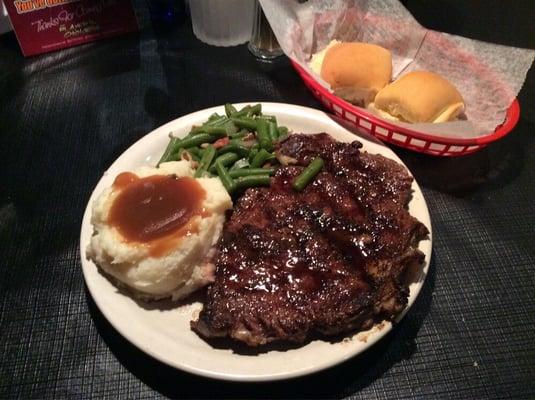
x=244 y=156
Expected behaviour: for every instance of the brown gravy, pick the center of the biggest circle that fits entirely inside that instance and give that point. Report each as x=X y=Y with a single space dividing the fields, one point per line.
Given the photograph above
x=156 y=210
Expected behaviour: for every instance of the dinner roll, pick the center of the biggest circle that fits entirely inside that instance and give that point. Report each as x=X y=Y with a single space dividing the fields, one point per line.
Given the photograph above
x=419 y=96
x=357 y=71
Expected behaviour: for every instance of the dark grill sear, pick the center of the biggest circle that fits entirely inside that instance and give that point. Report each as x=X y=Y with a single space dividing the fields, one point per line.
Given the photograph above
x=326 y=260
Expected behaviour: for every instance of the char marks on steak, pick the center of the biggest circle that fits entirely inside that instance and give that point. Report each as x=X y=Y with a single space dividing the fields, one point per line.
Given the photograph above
x=327 y=260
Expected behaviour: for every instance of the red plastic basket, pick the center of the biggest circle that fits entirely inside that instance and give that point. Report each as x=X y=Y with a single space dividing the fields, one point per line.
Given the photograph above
x=403 y=137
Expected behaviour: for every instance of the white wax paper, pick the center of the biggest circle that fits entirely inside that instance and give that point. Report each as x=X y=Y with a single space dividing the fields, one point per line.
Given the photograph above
x=489 y=76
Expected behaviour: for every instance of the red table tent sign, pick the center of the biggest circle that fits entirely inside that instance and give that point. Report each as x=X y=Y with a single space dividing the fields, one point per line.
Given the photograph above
x=47 y=25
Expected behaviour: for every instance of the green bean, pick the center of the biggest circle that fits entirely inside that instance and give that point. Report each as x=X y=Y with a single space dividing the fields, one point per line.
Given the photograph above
x=223 y=174
x=260 y=158
x=237 y=173
x=240 y=134
x=273 y=131
x=192 y=153
x=215 y=130
x=262 y=134
x=251 y=181
x=269 y=118
x=195 y=157
x=237 y=148
x=197 y=140
x=176 y=156
x=241 y=163
x=206 y=160
x=195 y=130
x=225 y=160
x=253 y=152
x=218 y=121
x=213 y=116
x=255 y=110
x=230 y=128
x=237 y=141
x=283 y=132
x=230 y=109
x=244 y=122
x=172 y=148
x=243 y=112
x=306 y=176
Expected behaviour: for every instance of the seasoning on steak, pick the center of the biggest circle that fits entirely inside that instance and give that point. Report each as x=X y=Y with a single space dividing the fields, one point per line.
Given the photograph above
x=326 y=260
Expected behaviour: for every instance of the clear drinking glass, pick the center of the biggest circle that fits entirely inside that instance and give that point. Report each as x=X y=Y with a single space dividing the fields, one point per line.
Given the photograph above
x=222 y=22
x=263 y=43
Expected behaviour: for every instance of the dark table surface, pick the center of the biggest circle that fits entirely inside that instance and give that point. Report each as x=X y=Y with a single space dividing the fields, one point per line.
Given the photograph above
x=65 y=116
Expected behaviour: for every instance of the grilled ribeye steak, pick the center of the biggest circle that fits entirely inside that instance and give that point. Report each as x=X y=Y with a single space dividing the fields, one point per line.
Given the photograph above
x=327 y=260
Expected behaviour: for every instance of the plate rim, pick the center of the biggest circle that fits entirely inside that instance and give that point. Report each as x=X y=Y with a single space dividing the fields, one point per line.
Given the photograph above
x=372 y=339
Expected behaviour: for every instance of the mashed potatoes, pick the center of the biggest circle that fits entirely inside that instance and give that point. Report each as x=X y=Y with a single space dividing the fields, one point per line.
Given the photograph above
x=178 y=270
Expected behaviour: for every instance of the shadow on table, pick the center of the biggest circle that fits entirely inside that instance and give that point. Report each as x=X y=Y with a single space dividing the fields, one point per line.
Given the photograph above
x=199 y=76
x=492 y=167
x=340 y=381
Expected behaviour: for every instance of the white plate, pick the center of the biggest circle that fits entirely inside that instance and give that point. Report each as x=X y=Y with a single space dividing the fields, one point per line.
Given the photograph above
x=165 y=333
